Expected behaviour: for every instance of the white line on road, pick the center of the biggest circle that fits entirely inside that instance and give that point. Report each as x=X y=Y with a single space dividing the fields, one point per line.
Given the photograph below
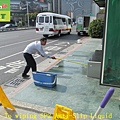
x=23 y=42
x=20 y=52
x=10 y=55
x=55 y=48
x=17 y=43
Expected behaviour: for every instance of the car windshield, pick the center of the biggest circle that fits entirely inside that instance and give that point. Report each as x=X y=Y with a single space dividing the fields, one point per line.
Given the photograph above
x=6 y=25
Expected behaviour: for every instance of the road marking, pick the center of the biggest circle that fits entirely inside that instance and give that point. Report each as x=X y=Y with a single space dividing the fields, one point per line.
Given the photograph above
x=61 y=44
x=55 y=48
x=17 y=43
x=13 y=70
x=16 y=64
x=23 y=42
x=2 y=67
x=18 y=53
x=11 y=55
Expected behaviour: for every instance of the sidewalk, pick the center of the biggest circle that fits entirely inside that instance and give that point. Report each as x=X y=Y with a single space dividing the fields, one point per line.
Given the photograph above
x=74 y=89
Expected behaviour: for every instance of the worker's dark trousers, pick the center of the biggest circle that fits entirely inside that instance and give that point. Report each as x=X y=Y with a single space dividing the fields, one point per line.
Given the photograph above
x=30 y=63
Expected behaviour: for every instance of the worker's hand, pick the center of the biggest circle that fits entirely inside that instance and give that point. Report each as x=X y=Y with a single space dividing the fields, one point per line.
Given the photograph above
x=53 y=57
x=42 y=55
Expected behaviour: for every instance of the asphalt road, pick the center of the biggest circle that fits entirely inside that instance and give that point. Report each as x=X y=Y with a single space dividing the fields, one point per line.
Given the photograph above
x=13 y=43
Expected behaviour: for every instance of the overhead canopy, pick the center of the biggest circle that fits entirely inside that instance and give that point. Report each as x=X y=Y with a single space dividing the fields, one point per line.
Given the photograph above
x=100 y=3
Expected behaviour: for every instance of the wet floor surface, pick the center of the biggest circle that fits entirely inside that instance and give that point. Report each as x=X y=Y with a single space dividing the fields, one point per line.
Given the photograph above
x=74 y=89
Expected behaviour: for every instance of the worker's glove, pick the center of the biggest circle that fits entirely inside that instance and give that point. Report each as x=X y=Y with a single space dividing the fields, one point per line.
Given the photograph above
x=53 y=57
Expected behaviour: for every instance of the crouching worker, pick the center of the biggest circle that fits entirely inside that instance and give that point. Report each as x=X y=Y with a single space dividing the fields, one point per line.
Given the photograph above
x=33 y=48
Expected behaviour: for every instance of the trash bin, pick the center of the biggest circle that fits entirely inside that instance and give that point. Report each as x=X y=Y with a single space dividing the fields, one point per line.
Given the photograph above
x=45 y=79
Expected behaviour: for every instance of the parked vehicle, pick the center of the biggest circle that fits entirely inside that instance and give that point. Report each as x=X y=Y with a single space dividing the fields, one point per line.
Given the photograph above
x=8 y=27
x=53 y=24
x=83 y=24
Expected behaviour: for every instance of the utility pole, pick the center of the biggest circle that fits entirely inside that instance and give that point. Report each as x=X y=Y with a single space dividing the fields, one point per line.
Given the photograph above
x=71 y=12
x=49 y=5
x=59 y=4
x=27 y=14
x=53 y=5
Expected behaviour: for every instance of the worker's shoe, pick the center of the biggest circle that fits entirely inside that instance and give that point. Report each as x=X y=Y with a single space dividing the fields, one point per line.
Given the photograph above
x=25 y=76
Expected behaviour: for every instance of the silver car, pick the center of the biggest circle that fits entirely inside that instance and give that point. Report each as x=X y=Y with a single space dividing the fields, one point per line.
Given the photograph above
x=8 y=27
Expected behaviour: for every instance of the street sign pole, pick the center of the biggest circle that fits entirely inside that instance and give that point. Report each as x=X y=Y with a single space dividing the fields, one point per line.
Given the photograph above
x=28 y=14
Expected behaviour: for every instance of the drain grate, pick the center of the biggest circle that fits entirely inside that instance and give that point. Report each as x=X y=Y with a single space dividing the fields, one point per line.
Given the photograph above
x=15 y=82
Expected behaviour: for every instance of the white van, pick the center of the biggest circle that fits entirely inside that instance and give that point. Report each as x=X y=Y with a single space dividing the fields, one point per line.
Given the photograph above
x=53 y=24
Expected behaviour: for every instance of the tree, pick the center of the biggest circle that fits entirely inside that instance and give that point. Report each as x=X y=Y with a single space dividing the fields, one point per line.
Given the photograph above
x=95 y=29
x=32 y=18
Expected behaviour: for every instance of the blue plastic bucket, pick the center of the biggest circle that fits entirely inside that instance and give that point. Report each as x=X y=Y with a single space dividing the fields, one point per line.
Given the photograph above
x=44 y=79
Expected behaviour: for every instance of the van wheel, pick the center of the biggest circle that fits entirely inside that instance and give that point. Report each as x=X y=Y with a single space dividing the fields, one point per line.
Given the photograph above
x=69 y=32
x=59 y=34
x=45 y=36
x=78 y=33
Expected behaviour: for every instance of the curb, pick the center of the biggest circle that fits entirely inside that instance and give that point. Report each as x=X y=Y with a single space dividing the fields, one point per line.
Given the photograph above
x=32 y=107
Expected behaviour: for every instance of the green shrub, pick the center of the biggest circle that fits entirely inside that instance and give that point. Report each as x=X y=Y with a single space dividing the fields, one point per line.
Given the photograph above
x=95 y=29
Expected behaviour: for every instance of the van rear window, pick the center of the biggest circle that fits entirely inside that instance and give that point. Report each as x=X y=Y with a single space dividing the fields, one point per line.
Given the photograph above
x=46 y=19
x=41 y=19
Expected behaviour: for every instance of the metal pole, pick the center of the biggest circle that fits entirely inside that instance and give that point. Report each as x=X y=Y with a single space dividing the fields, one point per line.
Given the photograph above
x=71 y=12
x=28 y=14
x=53 y=5
x=59 y=6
